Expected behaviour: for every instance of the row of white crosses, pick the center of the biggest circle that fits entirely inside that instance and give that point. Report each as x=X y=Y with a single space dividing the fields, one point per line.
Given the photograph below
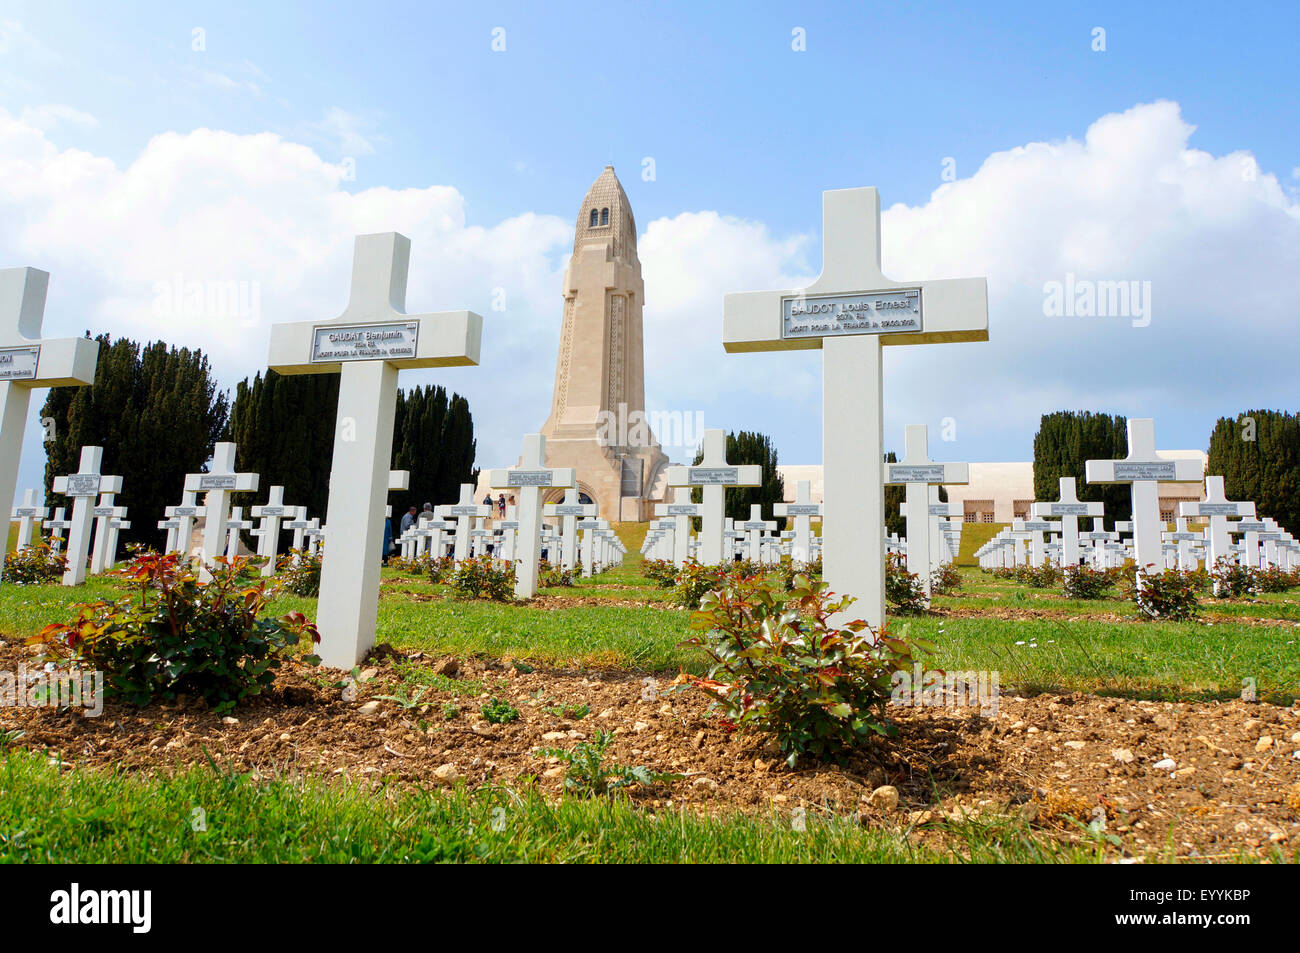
x=851 y=312
x=920 y=474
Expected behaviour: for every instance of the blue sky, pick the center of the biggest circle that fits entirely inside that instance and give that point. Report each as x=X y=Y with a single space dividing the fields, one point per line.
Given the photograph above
x=744 y=132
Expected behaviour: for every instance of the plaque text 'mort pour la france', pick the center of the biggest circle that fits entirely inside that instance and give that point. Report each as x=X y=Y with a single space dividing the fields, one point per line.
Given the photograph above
x=364 y=342
x=1145 y=471
x=696 y=476
x=918 y=473
x=870 y=312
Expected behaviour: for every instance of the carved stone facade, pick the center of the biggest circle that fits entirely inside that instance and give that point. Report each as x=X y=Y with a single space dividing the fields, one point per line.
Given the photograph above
x=599 y=377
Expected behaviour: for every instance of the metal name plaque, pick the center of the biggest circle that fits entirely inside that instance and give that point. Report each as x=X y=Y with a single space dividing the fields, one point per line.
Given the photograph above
x=83 y=484
x=1146 y=471
x=908 y=473
x=26 y=512
x=582 y=524
x=682 y=509
x=1218 y=509
x=1039 y=526
x=570 y=509
x=803 y=509
x=529 y=478
x=469 y=510
x=787 y=534
x=103 y=511
x=364 y=342
x=510 y=524
x=869 y=312
x=270 y=511
x=1068 y=509
x=755 y=525
x=19 y=363
x=1246 y=526
x=697 y=476
x=187 y=511
x=216 y=481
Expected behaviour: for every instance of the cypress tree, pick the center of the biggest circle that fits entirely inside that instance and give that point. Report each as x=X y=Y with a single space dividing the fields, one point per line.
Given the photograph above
x=1065 y=441
x=1258 y=454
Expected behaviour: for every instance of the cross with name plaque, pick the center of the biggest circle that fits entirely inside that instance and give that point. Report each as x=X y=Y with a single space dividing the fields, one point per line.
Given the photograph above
x=570 y=511
x=56 y=526
x=802 y=511
x=270 y=514
x=189 y=510
x=851 y=311
x=681 y=511
x=100 y=558
x=1069 y=508
x=465 y=511
x=918 y=472
x=218 y=484
x=1218 y=508
x=714 y=474
x=1144 y=470
x=28 y=516
x=83 y=487
x=527 y=480
x=28 y=361
x=366 y=345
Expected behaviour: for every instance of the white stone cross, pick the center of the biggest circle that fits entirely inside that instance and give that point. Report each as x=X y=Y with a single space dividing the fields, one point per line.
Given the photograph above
x=28 y=361
x=185 y=515
x=268 y=531
x=116 y=523
x=1218 y=508
x=1183 y=538
x=83 y=487
x=172 y=525
x=802 y=511
x=569 y=512
x=850 y=312
x=300 y=525
x=528 y=479
x=1069 y=508
x=28 y=516
x=589 y=544
x=233 y=526
x=104 y=513
x=938 y=519
x=917 y=471
x=218 y=483
x=714 y=474
x=465 y=511
x=753 y=529
x=367 y=344
x=56 y=527
x=1144 y=469
x=680 y=510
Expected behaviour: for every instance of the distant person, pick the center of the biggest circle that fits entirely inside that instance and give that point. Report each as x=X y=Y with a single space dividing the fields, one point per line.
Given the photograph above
x=501 y=505
x=428 y=512
x=388 y=541
x=408 y=520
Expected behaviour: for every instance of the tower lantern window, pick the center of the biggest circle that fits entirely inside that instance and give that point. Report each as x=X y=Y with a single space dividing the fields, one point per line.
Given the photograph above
x=604 y=216
x=593 y=219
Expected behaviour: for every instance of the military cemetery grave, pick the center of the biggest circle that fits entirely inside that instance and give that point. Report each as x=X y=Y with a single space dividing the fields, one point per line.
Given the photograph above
x=332 y=608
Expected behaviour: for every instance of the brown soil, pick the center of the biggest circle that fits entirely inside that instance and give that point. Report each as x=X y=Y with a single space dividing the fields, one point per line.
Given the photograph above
x=1057 y=760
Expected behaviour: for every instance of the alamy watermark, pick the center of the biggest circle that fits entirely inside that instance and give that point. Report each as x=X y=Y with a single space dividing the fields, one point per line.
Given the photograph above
x=239 y=301
x=46 y=688
x=639 y=428
x=939 y=689
x=1085 y=298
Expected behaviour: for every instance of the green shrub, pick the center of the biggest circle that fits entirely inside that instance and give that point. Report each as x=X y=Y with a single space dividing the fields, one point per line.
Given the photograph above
x=589 y=772
x=779 y=666
x=483 y=577
x=693 y=581
x=181 y=637
x=1038 y=577
x=35 y=565
x=556 y=576
x=1165 y=595
x=1274 y=579
x=438 y=568
x=661 y=572
x=946 y=579
x=300 y=573
x=903 y=590
x=1083 y=582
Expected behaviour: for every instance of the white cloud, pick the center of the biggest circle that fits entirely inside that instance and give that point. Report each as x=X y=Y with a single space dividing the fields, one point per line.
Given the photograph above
x=1131 y=200
x=50 y=115
x=348 y=132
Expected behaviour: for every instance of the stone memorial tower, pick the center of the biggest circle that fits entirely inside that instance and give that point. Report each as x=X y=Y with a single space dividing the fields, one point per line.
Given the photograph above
x=597 y=423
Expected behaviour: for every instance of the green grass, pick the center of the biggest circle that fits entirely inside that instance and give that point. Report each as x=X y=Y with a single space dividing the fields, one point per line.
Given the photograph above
x=120 y=819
